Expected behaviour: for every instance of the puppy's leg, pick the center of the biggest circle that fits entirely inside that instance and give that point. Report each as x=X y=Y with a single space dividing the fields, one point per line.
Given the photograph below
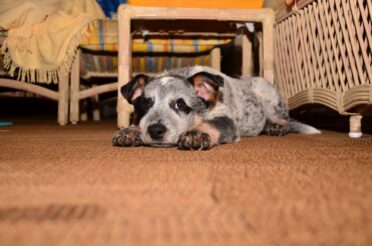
x=273 y=129
x=278 y=117
x=127 y=137
x=209 y=133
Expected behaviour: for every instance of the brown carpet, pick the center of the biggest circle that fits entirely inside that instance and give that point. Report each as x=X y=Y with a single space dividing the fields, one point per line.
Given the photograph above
x=69 y=186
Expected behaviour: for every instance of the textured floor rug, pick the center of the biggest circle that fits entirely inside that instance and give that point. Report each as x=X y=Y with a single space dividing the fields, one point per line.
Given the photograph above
x=69 y=186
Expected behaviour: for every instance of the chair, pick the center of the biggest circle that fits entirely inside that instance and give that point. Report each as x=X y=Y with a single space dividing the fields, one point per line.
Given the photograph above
x=98 y=59
x=61 y=95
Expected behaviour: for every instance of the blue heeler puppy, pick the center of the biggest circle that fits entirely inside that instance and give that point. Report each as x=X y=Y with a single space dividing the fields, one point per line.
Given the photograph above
x=196 y=108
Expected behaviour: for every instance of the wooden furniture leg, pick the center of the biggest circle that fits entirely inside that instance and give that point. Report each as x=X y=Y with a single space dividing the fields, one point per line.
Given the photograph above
x=247 y=66
x=95 y=106
x=63 y=95
x=78 y=93
x=216 y=58
x=124 y=109
x=74 y=90
x=268 y=47
x=355 y=126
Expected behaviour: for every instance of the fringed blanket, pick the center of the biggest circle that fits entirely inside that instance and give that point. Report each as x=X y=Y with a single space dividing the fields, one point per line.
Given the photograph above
x=43 y=36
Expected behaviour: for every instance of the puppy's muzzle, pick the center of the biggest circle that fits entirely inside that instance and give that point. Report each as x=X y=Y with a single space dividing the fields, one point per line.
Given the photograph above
x=157 y=131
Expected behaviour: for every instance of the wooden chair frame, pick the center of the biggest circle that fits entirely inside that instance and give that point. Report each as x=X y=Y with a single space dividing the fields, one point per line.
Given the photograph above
x=61 y=96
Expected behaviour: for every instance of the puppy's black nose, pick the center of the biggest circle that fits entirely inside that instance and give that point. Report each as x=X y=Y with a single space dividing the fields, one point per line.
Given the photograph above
x=157 y=131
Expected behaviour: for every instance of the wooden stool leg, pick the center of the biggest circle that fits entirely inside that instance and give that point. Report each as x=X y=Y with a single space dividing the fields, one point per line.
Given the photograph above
x=355 y=126
x=74 y=90
x=95 y=107
x=261 y=61
x=267 y=45
x=63 y=101
x=124 y=109
x=216 y=58
x=247 y=66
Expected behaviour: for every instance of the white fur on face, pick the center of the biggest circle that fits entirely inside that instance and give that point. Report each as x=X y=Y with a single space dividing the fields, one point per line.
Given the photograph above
x=163 y=93
x=166 y=80
x=162 y=113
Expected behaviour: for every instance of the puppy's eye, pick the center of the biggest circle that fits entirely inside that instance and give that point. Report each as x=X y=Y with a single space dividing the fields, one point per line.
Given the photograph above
x=147 y=103
x=180 y=104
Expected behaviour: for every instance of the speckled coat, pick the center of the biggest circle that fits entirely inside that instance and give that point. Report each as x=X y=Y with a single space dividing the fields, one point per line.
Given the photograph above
x=198 y=107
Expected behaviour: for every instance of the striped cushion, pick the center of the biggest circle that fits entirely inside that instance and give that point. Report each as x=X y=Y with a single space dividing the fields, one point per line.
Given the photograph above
x=103 y=36
x=107 y=64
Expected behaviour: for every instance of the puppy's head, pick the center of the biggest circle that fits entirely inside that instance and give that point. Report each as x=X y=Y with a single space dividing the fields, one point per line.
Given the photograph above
x=168 y=105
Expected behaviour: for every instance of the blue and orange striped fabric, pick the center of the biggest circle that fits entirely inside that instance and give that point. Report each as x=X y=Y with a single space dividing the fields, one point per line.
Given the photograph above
x=103 y=36
x=108 y=63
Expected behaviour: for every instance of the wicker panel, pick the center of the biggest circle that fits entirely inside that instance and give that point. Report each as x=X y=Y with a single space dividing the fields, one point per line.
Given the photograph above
x=323 y=54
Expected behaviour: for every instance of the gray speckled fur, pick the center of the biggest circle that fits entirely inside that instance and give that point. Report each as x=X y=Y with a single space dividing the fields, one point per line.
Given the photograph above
x=245 y=107
x=252 y=103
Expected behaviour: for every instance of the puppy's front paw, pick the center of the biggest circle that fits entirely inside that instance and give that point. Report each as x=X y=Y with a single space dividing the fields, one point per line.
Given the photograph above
x=127 y=137
x=194 y=140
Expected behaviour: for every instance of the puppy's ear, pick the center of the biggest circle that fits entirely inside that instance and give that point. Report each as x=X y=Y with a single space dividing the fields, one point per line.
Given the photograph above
x=134 y=87
x=206 y=85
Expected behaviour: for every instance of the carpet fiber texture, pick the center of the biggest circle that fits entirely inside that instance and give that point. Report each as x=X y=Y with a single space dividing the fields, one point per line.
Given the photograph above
x=69 y=186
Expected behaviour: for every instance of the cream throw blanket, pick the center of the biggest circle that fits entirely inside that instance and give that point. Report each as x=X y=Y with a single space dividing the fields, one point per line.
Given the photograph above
x=43 y=36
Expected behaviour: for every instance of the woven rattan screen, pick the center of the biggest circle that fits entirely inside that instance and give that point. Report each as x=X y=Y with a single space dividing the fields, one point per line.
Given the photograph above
x=323 y=54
